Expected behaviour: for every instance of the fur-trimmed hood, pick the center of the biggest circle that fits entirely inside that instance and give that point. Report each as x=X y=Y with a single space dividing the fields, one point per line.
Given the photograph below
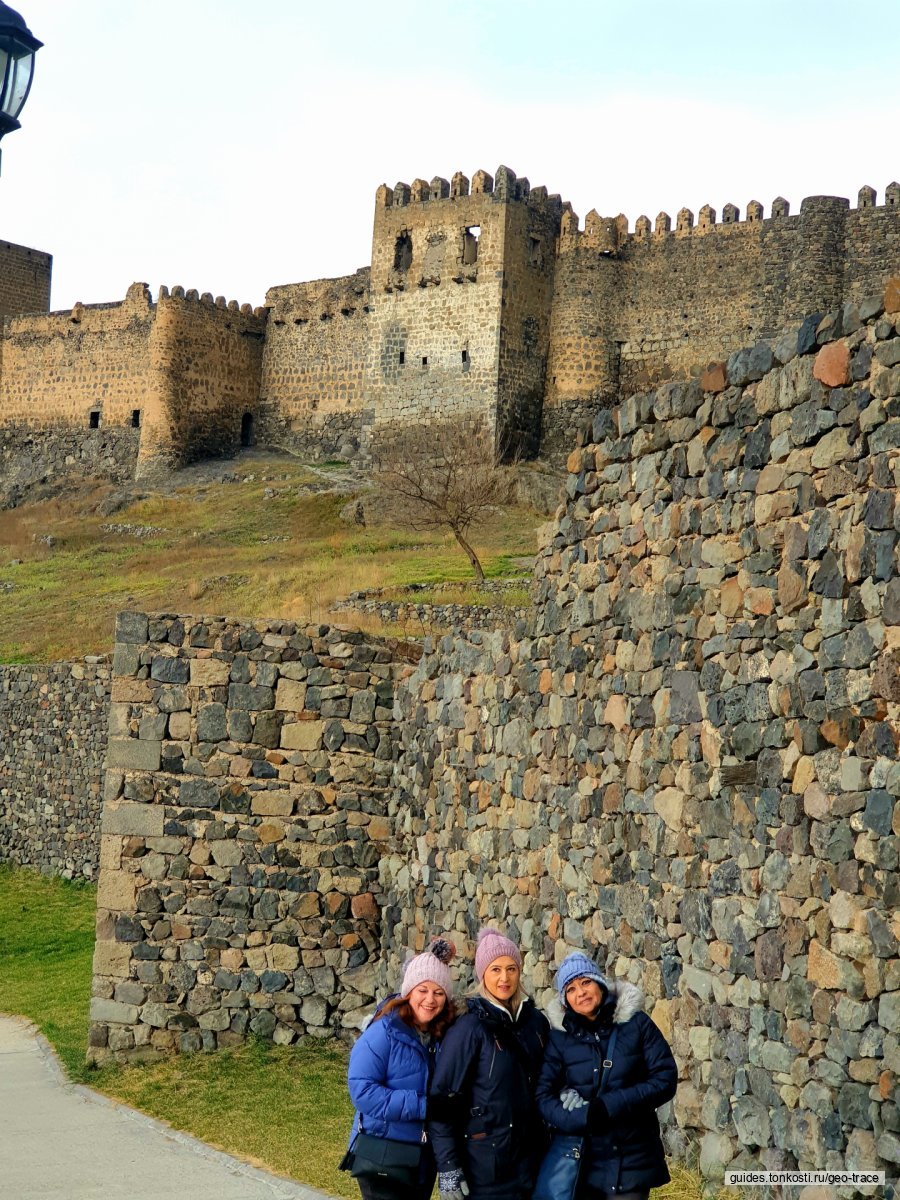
x=628 y=999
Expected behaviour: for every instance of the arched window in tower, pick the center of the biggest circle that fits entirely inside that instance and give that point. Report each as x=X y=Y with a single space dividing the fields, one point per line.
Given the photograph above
x=403 y=252
x=471 y=236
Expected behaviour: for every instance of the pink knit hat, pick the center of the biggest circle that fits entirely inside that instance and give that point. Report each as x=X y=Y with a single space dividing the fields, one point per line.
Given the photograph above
x=431 y=966
x=493 y=944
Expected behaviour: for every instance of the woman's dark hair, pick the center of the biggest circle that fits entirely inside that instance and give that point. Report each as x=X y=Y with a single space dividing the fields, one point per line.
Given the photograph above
x=402 y=1008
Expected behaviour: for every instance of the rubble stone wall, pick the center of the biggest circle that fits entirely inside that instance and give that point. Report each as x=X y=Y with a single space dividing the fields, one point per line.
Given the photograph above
x=243 y=823
x=206 y=359
x=631 y=309
x=24 y=280
x=313 y=397
x=52 y=747
x=58 y=368
x=687 y=761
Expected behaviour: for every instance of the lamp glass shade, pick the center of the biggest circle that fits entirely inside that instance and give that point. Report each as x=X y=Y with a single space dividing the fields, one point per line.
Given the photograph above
x=17 y=67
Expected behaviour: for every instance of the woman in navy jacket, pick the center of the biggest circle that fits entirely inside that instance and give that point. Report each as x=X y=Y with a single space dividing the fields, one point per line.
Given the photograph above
x=623 y=1156
x=392 y=1063
x=483 y=1125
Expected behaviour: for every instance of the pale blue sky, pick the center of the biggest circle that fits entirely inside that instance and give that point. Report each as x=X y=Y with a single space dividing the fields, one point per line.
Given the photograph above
x=229 y=146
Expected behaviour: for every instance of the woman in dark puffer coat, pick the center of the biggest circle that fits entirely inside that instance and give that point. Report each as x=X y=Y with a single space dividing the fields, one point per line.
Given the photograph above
x=482 y=1121
x=623 y=1156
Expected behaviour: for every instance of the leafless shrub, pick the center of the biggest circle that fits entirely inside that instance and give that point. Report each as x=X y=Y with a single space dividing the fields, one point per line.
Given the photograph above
x=440 y=476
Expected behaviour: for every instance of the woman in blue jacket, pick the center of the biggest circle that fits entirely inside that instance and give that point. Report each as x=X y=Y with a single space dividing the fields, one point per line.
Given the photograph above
x=392 y=1063
x=484 y=1127
x=623 y=1155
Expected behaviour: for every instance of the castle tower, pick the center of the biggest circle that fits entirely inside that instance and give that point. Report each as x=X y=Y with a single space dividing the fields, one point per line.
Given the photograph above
x=462 y=279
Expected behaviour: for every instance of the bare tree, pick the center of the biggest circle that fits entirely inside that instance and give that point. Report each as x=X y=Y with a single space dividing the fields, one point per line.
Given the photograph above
x=440 y=476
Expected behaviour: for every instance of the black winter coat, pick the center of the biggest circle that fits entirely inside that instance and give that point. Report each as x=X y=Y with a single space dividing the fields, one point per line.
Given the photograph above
x=482 y=1116
x=626 y=1155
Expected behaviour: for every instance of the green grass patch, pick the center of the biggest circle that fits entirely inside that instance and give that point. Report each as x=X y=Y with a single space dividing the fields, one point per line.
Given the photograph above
x=285 y=1108
x=46 y=947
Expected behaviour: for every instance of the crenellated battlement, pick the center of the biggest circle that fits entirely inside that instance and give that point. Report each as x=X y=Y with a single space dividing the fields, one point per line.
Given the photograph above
x=193 y=296
x=609 y=234
x=502 y=187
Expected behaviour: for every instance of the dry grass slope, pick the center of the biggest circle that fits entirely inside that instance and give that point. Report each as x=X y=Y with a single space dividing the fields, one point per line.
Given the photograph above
x=262 y=547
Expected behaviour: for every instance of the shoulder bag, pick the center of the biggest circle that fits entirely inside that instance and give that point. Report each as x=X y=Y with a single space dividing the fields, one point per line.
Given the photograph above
x=383 y=1160
x=560 y=1171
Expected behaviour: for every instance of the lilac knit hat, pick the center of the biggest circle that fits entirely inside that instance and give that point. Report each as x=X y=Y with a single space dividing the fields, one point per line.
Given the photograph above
x=431 y=966
x=493 y=944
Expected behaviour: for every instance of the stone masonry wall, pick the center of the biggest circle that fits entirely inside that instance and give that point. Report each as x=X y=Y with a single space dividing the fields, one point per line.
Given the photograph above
x=60 y=367
x=484 y=298
x=242 y=828
x=313 y=395
x=687 y=762
x=632 y=309
x=52 y=746
x=73 y=389
x=435 y=318
x=24 y=280
x=532 y=230
x=206 y=360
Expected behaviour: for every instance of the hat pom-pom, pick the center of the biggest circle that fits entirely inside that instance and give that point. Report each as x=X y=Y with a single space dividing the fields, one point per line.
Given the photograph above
x=443 y=950
x=486 y=932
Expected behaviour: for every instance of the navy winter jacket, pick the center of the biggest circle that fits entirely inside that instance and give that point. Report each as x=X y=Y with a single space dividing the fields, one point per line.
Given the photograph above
x=626 y=1154
x=482 y=1118
x=388 y=1080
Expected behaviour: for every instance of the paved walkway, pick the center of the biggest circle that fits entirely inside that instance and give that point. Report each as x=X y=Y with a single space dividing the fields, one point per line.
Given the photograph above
x=60 y=1141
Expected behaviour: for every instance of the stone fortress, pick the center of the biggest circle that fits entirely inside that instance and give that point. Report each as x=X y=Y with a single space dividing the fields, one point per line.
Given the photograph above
x=484 y=298
x=685 y=759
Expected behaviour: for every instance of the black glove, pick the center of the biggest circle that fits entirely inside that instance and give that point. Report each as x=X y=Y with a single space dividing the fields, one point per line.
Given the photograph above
x=598 y=1117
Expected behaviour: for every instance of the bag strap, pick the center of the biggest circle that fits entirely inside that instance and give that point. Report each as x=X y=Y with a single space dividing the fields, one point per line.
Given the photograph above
x=608 y=1061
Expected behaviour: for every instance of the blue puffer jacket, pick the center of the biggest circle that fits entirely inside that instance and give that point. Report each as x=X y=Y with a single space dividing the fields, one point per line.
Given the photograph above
x=626 y=1153
x=388 y=1080
x=484 y=1119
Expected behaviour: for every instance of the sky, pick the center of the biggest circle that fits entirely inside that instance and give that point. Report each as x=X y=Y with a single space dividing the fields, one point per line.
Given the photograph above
x=230 y=147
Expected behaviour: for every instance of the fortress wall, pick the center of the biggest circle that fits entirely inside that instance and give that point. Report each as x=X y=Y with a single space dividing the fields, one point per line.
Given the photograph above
x=632 y=309
x=583 y=362
x=871 y=247
x=437 y=307
x=59 y=367
x=531 y=233
x=56 y=370
x=243 y=823
x=313 y=391
x=206 y=363
x=24 y=280
x=52 y=746
x=688 y=762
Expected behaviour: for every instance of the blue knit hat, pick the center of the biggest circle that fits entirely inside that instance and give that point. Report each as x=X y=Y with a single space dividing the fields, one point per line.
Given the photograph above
x=577 y=966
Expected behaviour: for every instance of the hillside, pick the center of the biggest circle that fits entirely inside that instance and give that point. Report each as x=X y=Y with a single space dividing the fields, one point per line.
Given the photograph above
x=257 y=536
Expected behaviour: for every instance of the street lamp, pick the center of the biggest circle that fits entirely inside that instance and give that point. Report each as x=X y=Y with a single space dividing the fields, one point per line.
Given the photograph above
x=18 y=46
